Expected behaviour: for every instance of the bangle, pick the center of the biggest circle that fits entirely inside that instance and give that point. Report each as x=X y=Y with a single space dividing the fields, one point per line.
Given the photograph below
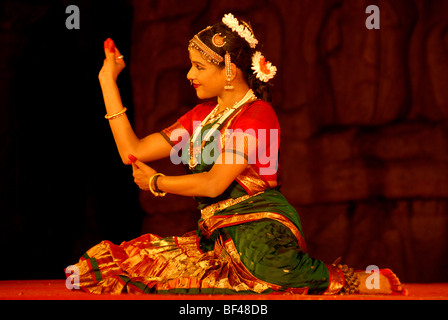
x=115 y=115
x=153 y=185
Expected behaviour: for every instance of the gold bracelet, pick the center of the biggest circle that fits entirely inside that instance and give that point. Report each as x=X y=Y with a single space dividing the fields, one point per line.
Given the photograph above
x=153 y=185
x=116 y=115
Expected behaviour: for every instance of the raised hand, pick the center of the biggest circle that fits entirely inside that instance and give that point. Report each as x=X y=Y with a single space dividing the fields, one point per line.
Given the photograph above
x=113 y=62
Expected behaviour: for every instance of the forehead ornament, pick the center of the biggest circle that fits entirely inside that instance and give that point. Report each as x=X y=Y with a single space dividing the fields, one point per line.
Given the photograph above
x=209 y=54
x=218 y=40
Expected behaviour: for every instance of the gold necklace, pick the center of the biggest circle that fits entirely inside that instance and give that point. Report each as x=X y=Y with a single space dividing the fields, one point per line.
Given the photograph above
x=216 y=115
x=195 y=151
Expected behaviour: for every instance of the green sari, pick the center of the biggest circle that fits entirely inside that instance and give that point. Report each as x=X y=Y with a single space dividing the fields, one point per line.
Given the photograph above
x=249 y=241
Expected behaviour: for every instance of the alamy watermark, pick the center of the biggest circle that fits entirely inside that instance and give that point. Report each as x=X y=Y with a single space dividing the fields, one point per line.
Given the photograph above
x=373 y=20
x=373 y=280
x=72 y=281
x=256 y=146
x=73 y=20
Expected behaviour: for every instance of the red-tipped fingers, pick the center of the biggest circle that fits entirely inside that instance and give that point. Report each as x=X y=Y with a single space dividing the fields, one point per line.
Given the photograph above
x=109 y=48
x=133 y=160
x=110 y=45
x=106 y=43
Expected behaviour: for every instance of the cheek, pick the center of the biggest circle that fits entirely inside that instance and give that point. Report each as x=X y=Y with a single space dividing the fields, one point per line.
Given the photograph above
x=209 y=79
x=217 y=80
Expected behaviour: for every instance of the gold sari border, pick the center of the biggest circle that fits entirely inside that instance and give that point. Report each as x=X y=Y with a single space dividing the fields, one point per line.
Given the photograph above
x=336 y=280
x=208 y=226
x=210 y=210
x=259 y=284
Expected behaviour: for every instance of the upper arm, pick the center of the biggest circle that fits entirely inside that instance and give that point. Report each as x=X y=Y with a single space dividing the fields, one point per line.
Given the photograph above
x=153 y=147
x=160 y=145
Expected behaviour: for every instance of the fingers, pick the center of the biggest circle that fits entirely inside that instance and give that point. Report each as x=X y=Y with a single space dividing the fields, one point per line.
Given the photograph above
x=133 y=161
x=141 y=172
x=140 y=177
x=118 y=55
x=109 y=48
x=112 y=53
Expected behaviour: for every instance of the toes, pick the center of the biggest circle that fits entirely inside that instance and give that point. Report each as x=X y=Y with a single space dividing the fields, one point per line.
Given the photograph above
x=394 y=281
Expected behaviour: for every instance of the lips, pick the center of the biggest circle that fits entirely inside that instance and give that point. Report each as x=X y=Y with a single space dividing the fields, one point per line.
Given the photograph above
x=195 y=85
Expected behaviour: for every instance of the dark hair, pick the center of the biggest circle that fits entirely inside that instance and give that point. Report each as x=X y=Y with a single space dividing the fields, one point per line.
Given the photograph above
x=240 y=53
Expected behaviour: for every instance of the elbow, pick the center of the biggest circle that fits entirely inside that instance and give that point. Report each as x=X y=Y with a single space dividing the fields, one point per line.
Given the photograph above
x=212 y=193
x=125 y=159
x=128 y=157
x=214 y=188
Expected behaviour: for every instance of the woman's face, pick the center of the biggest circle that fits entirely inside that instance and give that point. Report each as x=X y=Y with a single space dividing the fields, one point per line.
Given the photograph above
x=208 y=79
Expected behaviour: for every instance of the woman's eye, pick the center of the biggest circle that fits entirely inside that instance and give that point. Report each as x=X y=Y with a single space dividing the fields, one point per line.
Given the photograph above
x=199 y=67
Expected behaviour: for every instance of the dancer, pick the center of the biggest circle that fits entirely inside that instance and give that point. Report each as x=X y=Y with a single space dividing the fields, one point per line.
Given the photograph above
x=249 y=238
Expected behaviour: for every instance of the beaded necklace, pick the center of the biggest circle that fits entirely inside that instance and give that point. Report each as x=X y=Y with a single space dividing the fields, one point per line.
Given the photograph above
x=223 y=116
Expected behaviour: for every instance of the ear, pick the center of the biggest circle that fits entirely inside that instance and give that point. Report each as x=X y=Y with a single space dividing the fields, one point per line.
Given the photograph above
x=234 y=69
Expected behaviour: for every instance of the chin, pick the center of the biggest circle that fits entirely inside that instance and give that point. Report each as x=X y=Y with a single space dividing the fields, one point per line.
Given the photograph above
x=203 y=96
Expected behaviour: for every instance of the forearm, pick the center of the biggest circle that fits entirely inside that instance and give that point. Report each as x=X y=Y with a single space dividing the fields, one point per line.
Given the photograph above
x=192 y=185
x=206 y=184
x=126 y=140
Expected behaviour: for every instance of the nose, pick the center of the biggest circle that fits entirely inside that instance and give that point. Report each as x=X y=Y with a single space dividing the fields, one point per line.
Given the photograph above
x=190 y=74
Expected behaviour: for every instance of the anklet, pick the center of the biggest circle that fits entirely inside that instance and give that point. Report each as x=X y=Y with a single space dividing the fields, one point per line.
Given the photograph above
x=351 y=280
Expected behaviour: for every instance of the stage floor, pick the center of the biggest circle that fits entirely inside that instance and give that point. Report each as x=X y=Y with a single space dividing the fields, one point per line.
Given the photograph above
x=56 y=290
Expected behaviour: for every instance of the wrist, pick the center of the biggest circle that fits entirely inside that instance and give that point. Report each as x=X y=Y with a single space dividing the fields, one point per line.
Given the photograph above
x=154 y=186
x=107 y=80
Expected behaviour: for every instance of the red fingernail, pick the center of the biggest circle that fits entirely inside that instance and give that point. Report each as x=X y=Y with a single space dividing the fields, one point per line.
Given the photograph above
x=106 y=43
x=132 y=158
x=111 y=46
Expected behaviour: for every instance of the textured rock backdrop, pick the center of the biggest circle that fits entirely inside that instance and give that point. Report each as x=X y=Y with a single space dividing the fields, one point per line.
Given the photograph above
x=363 y=114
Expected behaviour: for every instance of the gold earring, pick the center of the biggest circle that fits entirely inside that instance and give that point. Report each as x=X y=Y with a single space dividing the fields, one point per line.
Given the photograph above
x=228 y=66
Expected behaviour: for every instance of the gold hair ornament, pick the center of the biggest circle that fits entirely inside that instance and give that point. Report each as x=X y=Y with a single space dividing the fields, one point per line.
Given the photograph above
x=218 y=40
x=210 y=55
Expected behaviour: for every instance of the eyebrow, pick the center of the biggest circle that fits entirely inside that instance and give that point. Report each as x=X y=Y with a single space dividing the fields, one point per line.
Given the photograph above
x=197 y=62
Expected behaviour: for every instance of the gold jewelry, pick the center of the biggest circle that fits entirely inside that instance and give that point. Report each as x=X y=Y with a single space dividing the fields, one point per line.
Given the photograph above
x=228 y=65
x=211 y=56
x=120 y=57
x=116 y=115
x=215 y=116
x=218 y=40
x=153 y=185
x=351 y=280
x=195 y=151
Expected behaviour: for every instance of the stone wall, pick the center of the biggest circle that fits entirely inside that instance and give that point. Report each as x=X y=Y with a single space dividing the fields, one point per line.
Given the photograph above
x=363 y=115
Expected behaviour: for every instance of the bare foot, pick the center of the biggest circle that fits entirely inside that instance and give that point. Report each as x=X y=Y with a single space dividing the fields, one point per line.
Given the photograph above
x=384 y=281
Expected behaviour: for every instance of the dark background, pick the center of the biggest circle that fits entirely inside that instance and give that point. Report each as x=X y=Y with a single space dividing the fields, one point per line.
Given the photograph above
x=363 y=114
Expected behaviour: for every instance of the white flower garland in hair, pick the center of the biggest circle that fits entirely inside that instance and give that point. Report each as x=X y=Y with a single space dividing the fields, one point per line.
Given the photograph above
x=232 y=22
x=264 y=70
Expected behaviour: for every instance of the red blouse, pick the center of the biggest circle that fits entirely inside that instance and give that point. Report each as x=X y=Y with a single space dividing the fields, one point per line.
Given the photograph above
x=253 y=131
